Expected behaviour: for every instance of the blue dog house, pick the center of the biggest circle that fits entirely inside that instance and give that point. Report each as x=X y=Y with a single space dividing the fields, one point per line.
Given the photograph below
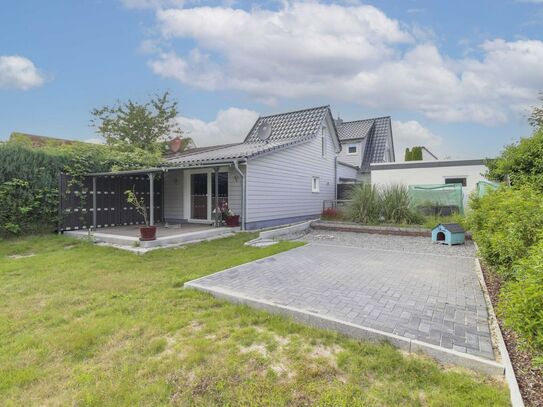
x=448 y=233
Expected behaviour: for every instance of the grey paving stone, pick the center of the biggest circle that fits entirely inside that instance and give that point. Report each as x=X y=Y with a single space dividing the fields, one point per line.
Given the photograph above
x=410 y=289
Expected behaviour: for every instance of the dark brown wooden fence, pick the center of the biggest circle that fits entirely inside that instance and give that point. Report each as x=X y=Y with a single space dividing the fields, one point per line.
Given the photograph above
x=112 y=209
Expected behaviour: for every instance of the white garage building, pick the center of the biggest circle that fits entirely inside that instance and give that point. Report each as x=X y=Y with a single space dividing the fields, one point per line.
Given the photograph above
x=465 y=172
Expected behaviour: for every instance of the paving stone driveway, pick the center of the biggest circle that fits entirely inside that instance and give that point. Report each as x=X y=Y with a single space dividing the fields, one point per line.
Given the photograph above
x=408 y=291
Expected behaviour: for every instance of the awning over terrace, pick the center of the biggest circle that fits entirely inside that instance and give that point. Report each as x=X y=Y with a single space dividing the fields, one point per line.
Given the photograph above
x=73 y=204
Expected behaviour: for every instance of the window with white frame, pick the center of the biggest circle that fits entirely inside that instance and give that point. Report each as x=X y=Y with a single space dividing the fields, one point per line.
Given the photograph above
x=352 y=149
x=315 y=184
x=323 y=141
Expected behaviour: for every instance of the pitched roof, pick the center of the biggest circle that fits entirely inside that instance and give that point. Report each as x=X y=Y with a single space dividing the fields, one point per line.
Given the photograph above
x=290 y=125
x=354 y=130
x=377 y=142
x=452 y=227
x=287 y=129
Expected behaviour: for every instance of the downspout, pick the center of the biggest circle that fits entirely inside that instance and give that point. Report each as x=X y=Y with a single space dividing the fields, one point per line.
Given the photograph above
x=335 y=179
x=243 y=198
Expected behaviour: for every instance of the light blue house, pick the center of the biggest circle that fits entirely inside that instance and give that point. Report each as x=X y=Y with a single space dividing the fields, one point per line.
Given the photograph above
x=281 y=173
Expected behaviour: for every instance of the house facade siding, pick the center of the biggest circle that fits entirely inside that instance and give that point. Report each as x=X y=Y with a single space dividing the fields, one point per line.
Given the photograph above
x=173 y=197
x=345 y=172
x=352 y=159
x=177 y=193
x=279 y=185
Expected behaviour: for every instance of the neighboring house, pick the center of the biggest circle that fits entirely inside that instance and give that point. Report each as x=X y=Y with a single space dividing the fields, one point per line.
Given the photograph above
x=281 y=173
x=363 y=142
x=465 y=172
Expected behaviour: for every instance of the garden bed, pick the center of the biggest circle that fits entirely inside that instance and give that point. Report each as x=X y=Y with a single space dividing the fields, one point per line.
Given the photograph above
x=409 y=230
x=529 y=377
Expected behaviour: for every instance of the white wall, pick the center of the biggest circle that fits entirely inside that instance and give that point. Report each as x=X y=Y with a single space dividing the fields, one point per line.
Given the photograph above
x=352 y=159
x=414 y=173
x=346 y=172
x=279 y=183
x=173 y=196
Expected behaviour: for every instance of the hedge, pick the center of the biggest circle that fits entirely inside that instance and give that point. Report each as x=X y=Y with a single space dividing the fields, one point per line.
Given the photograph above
x=29 y=192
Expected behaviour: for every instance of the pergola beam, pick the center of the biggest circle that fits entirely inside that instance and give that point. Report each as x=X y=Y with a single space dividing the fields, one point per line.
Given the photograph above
x=94 y=214
x=216 y=196
x=151 y=198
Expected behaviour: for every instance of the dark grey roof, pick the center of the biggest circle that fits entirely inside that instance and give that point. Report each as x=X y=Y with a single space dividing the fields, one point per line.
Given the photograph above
x=354 y=130
x=194 y=150
x=287 y=129
x=452 y=227
x=377 y=142
x=291 y=125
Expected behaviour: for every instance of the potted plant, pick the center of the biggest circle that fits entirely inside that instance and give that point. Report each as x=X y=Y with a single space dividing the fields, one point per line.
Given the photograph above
x=227 y=216
x=147 y=232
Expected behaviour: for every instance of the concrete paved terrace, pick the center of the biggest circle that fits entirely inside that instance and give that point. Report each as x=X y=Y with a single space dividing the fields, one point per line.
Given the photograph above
x=128 y=236
x=416 y=295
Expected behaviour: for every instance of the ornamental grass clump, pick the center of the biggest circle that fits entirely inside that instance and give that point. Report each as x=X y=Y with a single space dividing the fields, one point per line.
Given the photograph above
x=365 y=204
x=396 y=205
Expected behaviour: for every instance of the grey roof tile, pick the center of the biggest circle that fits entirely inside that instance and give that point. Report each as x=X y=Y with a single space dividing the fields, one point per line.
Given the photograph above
x=354 y=130
x=377 y=141
x=291 y=125
x=287 y=129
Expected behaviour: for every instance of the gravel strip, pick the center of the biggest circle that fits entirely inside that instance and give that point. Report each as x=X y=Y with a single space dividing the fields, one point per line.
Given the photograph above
x=410 y=244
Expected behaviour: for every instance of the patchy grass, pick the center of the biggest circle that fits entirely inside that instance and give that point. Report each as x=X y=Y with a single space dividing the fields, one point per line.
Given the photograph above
x=89 y=325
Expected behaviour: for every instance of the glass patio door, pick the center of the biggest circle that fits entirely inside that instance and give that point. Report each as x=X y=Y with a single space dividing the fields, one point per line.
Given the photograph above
x=198 y=198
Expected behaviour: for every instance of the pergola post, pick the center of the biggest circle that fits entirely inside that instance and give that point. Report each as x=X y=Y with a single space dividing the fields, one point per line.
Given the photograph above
x=94 y=215
x=216 y=196
x=151 y=199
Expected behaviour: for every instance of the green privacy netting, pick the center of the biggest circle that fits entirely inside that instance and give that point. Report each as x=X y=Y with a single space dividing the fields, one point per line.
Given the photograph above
x=437 y=199
x=483 y=187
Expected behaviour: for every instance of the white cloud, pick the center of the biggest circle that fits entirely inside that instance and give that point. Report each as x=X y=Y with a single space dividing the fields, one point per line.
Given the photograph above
x=17 y=72
x=151 y=4
x=411 y=133
x=230 y=126
x=349 y=53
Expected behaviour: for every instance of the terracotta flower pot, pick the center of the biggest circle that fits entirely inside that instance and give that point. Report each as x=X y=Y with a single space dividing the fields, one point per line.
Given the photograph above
x=147 y=233
x=232 y=220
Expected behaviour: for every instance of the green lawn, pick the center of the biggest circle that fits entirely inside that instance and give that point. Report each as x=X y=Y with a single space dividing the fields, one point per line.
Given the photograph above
x=89 y=325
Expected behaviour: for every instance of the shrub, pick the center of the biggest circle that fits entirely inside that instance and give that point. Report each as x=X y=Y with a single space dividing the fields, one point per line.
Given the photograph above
x=396 y=205
x=366 y=204
x=29 y=178
x=506 y=223
x=521 y=304
x=521 y=163
x=332 y=214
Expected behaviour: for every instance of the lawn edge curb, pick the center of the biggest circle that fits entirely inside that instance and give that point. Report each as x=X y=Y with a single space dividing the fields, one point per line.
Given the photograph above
x=510 y=377
x=442 y=355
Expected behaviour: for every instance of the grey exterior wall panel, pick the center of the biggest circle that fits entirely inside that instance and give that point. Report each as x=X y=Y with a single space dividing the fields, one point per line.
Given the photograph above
x=234 y=190
x=173 y=196
x=352 y=159
x=279 y=184
x=346 y=172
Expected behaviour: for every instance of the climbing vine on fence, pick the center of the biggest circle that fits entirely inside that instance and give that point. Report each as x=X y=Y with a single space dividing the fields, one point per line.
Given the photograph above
x=29 y=194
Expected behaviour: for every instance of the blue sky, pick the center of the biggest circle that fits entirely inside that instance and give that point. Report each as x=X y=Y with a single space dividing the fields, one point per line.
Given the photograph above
x=458 y=76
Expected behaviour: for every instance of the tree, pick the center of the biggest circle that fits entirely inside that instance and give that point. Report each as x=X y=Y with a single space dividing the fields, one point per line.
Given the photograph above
x=145 y=126
x=522 y=163
x=415 y=154
x=536 y=118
